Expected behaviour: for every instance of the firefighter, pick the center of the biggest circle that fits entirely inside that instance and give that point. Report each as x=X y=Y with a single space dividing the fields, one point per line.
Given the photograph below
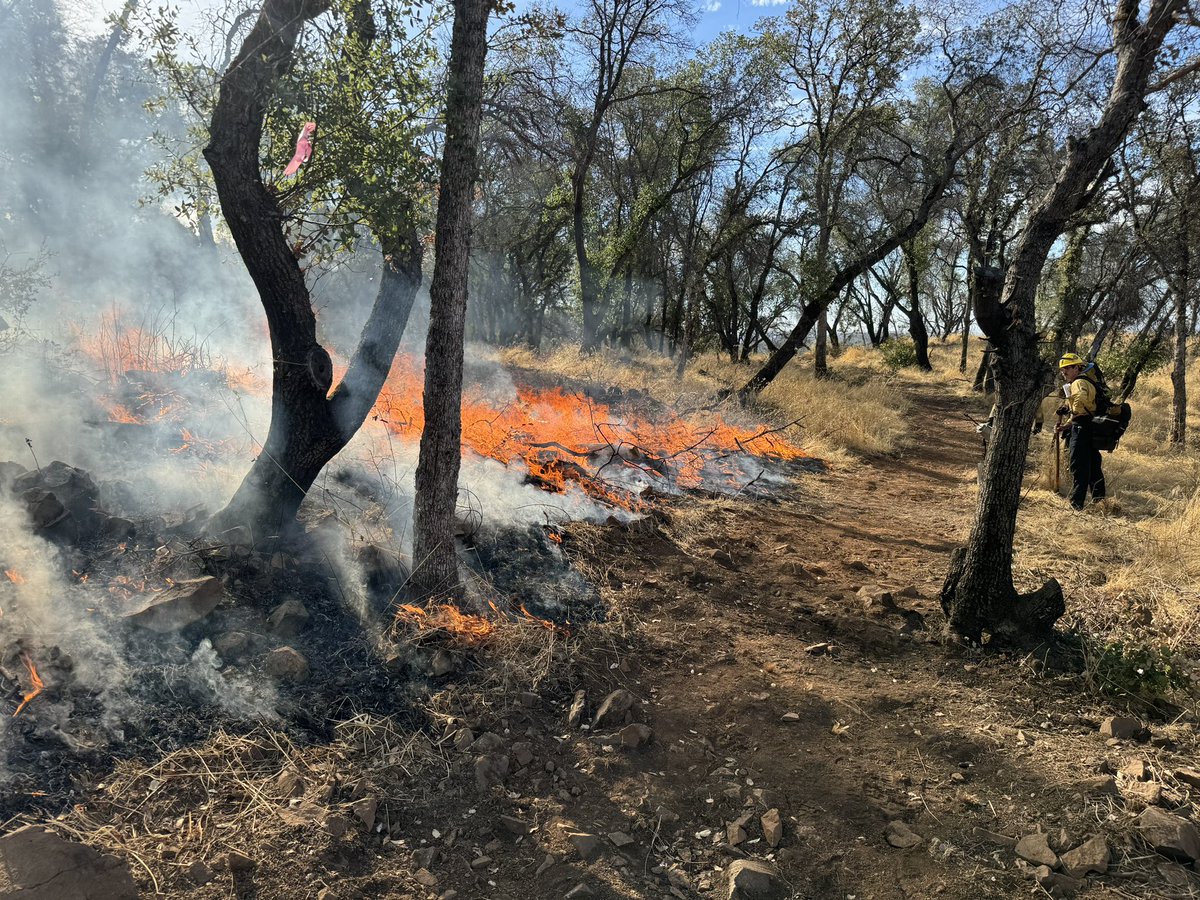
x=1086 y=472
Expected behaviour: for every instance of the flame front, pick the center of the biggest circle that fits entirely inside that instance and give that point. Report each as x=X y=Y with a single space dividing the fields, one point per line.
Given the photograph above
x=35 y=682
x=446 y=617
x=14 y=576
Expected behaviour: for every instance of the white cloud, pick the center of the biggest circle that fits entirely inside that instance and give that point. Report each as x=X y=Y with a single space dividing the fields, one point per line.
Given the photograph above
x=711 y=6
x=768 y=2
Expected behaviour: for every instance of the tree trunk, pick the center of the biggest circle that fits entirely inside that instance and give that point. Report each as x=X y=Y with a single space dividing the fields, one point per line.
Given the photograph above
x=916 y=322
x=308 y=425
x=979 y=594
x=1178 y=434
x=435 y=561
x=821 y=352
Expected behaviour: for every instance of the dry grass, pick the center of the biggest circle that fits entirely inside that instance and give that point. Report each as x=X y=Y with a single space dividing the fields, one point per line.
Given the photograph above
x=859 y=410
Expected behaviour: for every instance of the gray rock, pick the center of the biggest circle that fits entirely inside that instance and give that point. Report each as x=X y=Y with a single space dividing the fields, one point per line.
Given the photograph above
x=364 y=810
x=1090 y=856
x=287 y=664
x=549 y=862
x=480 y=862
x=1190 y=777
x=1120 y=727
x=522 y=753
x=177 y=607
x=620 y=839
x=899 y=835
x=442 y=664
x=288 y=619
x=1100 y=786
x=463 y=739
x=488 y=742
x=1170 y=835
x=636 y=736
x=425 y=857
x=578 y=707
x=1035 y=849
x=1144 y=792
x=1137 y=770
x=231 y=645
x=587 y=845
x=772 y=827
x=490 y=768
x=614 y=707
x=514 y=826
x=37 y=864
x=753 y=879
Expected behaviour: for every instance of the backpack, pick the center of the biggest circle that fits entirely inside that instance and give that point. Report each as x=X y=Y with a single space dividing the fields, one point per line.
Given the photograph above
x=1110 y=419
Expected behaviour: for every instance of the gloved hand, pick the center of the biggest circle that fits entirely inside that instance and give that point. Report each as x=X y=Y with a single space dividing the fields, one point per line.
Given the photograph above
x=1062 y=410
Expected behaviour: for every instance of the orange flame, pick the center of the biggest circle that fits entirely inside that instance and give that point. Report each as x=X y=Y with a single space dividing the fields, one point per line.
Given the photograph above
x=34 y=679
x=562 y=437
x=446 y=617
x=14 y=576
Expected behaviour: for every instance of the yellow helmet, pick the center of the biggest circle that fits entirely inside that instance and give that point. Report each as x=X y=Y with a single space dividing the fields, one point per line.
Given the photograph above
x=1071 y=359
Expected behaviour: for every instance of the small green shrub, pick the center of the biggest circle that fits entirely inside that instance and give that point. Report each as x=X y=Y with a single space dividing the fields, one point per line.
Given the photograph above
x=898 y=353
x=1146 y=673
x=1125 y=353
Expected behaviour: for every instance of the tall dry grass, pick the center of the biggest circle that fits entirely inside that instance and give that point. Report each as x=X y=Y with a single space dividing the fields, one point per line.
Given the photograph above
x=859 y=410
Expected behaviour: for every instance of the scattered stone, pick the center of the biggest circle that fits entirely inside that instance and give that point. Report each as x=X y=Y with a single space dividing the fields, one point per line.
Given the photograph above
x=529 y=700
x=198 y=873
x=425 y=857
x=1100 y=786
x=754 y=879
x=117 y=528
x=514 y=826
x=636 y=736
x=442 y=664
x=481 y=862
x=586 y=845
x=614 y=707
x=288 y=619
x=463 y=739
x=488 y=742
x=1120 y=727
x=448 y=895
x=899 y=835
x=236 y=861
x=772 y=827
x=177 y=607
x=1170 y=835
x=231 y=645
x=735 y=831
x=550 y=861
x=819 y=649
x=289 y=783
x=1190 y=777
x=1137 y=770
x=37 y=864
x=723 y=558
x=364 y=810
x=620 y=839
x=1090 y=856
x=1056 y=882
x=1035 y=849
x=491 y=768
x=425 y=878
x=522 y=753
x=790 y=717
x=578 y=707
x=580 y=890
x=1145 y=793
x=43 y=508
x=287 y=664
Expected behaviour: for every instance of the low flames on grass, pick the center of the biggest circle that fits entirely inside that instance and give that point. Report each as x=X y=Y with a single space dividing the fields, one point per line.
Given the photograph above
x=564 y=438
x=558 y=438
x=465 y=628
x=35 y=681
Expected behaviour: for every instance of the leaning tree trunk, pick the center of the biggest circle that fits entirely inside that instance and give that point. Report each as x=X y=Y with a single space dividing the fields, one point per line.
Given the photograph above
x=821 y=351
x=979 y=595
x=308 y=424
x=435 y=561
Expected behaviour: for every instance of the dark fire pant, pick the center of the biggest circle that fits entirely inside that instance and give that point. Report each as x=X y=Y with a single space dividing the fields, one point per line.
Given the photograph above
x=1085 y=466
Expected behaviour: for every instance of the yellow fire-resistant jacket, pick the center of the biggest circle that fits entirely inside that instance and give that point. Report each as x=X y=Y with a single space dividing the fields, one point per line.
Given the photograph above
x=1082 y=399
